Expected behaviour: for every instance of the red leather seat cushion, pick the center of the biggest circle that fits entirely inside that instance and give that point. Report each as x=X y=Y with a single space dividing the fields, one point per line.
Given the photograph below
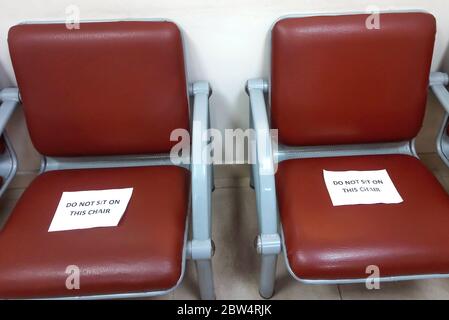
x=326 y=242
x=143 y=253
x=334 y=81
x=109 y=88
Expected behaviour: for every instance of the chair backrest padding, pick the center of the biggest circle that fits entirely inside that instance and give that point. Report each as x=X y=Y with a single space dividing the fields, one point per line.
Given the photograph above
x=335 y=81
x=107 y=88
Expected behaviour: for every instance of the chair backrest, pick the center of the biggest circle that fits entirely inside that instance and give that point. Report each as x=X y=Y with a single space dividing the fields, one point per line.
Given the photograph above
x=107 y=88
x=336 y=81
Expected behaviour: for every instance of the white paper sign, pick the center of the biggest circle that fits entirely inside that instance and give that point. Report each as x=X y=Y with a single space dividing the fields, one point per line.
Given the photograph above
x=360 y=187
x=90 y=209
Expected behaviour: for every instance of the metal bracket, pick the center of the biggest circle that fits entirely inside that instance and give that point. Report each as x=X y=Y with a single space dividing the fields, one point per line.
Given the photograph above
x=10 y=94
x=438 y=78
x=200 y=249
x=199 y=87
x=438 y=82
x=256 y=84
x=268 y=244
x=10 y=99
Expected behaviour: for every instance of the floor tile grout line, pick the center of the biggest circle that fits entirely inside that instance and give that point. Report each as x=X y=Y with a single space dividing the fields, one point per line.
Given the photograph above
x=339 y=292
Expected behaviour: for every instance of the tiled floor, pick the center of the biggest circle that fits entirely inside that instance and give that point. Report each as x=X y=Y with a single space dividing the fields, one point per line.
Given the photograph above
x=236 y=265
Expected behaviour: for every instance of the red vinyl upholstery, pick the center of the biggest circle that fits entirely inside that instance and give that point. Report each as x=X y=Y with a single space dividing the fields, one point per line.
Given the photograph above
x=109 y=88
x=326 y=242
x=336 y=82
x=143 y=253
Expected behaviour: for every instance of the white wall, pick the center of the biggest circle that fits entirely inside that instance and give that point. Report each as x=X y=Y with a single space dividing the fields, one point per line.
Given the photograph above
x=226 y=41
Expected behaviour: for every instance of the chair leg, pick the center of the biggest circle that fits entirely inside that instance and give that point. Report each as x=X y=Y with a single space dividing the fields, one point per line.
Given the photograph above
x=205 y=279
x=251 y=179
x=267 y=275
x=212 y=178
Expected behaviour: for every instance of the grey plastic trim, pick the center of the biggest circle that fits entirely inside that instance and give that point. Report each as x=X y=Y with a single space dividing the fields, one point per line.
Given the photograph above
x=8 y=160
x=262 y=169
x=69 y=163
x=443 y=141
x=202 y=184
x=287 y=153
x=438 y=82
x=8 y=164
x=201 y=171
x=264 y=164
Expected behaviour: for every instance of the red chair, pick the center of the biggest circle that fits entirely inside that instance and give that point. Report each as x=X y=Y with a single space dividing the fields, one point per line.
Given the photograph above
x=346 y=97
x=101 y=103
